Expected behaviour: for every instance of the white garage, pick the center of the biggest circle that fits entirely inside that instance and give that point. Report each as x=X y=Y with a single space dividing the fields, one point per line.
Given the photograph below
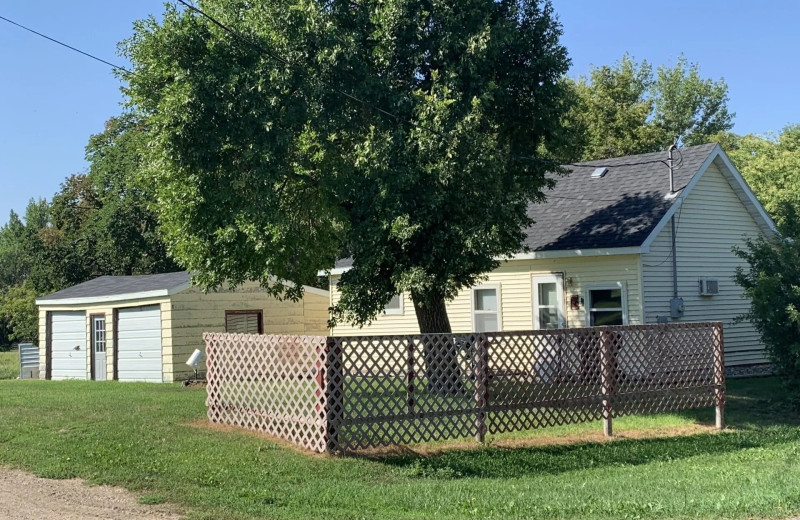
x=139 y=344
x=68 y=344
x=144 y=328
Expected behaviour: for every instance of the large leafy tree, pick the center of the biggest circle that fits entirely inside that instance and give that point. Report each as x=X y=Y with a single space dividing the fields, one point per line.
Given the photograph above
x=396 y=132
x=628 y=108
x=772 y=283
x=771 y=166
x=123 y=231
x=98 y=223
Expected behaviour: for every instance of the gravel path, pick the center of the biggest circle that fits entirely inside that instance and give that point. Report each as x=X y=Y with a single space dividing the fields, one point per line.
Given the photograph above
x=26 y=497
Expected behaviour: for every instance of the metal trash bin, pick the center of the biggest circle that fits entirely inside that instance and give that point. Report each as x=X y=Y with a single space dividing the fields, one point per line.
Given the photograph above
x=28 y=361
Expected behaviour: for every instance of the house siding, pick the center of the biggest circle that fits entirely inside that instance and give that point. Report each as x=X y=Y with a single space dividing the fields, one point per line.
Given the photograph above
x=711 y=222
x=516 y=304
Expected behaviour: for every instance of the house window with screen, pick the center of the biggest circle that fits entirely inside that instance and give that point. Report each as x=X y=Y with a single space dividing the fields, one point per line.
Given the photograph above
x=485 y=309
x=243 y=322
x=606 y=306
x=395 y=305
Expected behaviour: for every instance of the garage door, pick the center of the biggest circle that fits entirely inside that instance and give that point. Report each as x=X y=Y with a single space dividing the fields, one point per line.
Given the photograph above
x=68 y=345
x=139 y=344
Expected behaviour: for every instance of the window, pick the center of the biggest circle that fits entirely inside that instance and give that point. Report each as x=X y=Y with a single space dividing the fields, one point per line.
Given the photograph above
x=548 y=301
x=486 y=309
x=605 y=305
x=395 y=305
x=99 y=333
x=243 y=322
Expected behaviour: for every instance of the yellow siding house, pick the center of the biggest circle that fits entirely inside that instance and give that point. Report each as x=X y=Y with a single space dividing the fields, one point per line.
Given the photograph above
x=601 y=252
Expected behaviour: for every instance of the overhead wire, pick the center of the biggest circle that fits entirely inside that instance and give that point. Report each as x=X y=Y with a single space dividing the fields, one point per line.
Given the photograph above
x=92 y=56
x=282 y=60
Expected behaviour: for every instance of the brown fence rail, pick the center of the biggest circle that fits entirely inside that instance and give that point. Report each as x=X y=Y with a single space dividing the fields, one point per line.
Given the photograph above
x=341 y=394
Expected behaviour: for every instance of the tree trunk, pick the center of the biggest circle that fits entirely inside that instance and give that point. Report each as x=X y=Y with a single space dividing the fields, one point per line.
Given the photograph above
x=442 y=369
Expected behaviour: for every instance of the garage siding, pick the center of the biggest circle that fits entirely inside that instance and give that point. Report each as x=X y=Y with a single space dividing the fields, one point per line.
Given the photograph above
x=194 y=312
x=184 y=317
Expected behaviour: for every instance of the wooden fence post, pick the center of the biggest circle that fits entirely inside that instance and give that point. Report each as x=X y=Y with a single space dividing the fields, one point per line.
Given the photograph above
x=330 y=393
x=410 y=373
x=335 y=391
x=607 y=376
x=481 y=385
x=719 y=376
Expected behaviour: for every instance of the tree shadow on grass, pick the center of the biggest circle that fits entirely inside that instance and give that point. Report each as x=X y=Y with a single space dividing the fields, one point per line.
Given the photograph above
x=754 y=403
x=757 y=416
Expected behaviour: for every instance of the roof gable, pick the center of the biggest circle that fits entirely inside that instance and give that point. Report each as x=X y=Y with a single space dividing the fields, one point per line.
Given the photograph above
x=737 y=183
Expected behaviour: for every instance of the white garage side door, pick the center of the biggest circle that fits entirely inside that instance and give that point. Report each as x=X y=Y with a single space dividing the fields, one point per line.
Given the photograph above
x=139 y=344
x=68 y=345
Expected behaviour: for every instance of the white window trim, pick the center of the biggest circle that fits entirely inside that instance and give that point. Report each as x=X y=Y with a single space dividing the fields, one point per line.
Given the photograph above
x=398 y=311
x=496 y=287
x=558 y=278
x=600 y=287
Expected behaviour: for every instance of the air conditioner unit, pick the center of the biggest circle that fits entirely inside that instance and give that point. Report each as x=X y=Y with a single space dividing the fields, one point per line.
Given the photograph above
x=709 y=286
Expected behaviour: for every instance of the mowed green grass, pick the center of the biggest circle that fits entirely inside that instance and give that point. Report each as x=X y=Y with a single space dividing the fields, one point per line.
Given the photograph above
x=9 y=364
x=139 y=436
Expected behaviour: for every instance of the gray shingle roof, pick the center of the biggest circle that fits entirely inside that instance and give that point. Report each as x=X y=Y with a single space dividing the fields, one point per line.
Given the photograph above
x=619 y=209
x=119 y=285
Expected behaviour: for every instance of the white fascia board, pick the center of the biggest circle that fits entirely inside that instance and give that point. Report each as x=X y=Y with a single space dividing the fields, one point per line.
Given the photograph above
x=105 y=299
x=538 y=255
x=680 y=198
x=572 y=253
x=334 y=272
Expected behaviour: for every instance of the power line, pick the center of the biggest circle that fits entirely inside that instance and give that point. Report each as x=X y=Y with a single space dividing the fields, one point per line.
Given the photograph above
x=339 y=91
x=92 y=56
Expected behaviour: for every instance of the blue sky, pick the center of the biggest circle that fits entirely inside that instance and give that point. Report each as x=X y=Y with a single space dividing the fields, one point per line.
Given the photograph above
x=52 y=99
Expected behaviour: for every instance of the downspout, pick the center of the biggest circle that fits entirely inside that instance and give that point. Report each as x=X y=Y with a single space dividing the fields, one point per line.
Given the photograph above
x=674 y=261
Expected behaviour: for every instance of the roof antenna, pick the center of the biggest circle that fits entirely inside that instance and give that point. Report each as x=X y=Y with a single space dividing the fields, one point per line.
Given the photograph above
x=670 y=163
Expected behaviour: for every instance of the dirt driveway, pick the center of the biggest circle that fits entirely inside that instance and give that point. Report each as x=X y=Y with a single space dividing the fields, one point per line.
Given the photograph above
x=25 y=497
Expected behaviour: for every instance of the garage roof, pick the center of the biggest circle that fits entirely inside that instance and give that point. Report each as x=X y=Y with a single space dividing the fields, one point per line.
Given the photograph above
x=115 y=288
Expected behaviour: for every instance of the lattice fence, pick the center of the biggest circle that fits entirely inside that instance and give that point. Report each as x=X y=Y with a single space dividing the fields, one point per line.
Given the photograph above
x=342 y=394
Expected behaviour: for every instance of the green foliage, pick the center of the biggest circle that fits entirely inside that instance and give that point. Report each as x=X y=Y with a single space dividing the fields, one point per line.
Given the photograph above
x=771 y=166
x=625 y=109
x=18 y=309
x=270 y=167
x=687 y=108
x=772 y=283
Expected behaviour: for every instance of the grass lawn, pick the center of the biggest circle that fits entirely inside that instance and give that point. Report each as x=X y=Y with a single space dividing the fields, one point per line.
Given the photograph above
x=139 y=436
x=9 y=364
